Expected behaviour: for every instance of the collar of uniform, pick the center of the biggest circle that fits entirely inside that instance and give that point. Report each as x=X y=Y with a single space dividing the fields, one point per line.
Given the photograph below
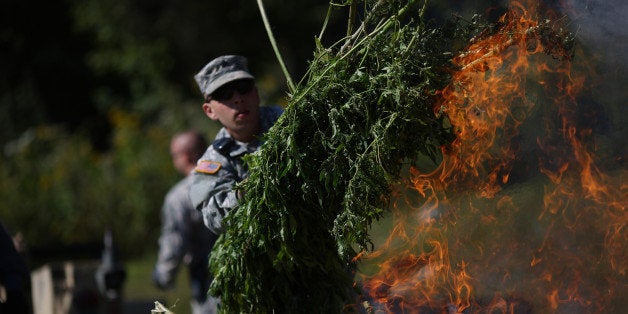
x=237 y=148
x=241 y=148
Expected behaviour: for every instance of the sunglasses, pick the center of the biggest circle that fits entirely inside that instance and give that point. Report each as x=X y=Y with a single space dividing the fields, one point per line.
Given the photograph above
x=226 y=91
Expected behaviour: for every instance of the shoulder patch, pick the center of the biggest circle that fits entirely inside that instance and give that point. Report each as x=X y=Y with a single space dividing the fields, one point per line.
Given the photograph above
x=207 y=166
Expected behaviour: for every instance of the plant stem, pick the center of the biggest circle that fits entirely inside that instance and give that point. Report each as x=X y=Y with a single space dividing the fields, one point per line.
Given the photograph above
x=275 y=48
x=351 y=19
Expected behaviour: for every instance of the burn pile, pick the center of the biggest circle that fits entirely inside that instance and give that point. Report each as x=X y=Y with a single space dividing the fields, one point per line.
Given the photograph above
x=518 y=217
x=398 y=93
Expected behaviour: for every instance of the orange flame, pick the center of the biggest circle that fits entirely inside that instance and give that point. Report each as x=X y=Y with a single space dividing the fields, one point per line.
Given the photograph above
x=517 y=217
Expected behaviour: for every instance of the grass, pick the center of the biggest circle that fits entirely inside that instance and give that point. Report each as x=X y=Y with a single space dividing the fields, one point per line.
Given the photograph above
x=140 y=292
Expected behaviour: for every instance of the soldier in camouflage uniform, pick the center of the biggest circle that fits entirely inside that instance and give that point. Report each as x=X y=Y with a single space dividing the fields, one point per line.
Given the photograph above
x=232 y=99
x=184 y=237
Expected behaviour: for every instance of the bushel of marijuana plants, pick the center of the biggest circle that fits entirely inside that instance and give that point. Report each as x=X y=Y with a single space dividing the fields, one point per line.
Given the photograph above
x=324 y=173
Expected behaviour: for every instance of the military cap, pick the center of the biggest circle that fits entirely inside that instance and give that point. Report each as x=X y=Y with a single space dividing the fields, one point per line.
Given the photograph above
x=220 y=71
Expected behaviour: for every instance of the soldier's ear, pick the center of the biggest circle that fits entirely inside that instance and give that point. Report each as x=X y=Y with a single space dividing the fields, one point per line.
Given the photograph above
x=209 y=112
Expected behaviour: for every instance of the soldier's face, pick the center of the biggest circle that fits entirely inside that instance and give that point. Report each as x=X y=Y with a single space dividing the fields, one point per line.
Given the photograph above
x=236 y=106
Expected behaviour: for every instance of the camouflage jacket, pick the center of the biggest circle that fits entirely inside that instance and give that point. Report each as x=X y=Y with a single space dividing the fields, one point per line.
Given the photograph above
x=220 y=168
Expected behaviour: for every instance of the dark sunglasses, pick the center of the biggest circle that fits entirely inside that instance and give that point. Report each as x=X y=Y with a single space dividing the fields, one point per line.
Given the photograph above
x=226 y=91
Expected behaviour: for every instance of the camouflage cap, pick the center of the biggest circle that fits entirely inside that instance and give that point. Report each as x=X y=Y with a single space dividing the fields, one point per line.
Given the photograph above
x=220 y=71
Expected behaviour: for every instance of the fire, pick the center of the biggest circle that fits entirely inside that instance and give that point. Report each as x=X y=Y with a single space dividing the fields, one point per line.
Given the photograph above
x=518 y=217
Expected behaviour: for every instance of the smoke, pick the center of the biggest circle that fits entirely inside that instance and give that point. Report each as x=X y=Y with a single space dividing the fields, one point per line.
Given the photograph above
x=601 y=30
x=601 y=25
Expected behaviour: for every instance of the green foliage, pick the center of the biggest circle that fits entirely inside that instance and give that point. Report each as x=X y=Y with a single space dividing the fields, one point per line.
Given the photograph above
x=57 y=190
x=146 y=48
x=36 y=190
x=323 y=175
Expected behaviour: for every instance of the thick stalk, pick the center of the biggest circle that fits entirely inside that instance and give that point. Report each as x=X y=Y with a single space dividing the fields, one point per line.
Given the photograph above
x=351 y=19
x=271 y=37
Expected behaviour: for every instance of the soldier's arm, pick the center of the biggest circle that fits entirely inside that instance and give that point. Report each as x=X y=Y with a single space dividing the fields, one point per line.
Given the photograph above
x=212 y=191
x=171 y=241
